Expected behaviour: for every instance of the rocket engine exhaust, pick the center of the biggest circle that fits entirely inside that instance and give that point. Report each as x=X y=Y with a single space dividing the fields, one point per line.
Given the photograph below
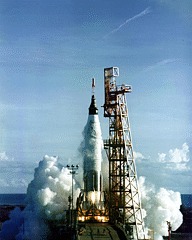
x=91 y=199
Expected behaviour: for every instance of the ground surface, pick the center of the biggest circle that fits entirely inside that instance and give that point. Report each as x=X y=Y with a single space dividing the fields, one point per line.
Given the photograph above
x=93 y=231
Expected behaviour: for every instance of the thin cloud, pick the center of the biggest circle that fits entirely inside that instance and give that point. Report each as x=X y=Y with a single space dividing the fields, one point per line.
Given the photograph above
x=146 y=11
x=138 y=155
x=3 y=157
x=18 y=183
x=20 y=107
x=162 y=63
x=176 y=159
x=4 y=183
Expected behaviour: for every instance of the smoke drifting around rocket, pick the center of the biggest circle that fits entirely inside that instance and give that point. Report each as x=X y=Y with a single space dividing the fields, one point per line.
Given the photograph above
x=48 y=192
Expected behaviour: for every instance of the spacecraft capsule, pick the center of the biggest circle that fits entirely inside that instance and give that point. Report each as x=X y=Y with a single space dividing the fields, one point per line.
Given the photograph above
x=93 y=107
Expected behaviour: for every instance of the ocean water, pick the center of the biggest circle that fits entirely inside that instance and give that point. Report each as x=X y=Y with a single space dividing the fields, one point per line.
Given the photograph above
x=19 y=199
x=186 y=200
x=12 y=199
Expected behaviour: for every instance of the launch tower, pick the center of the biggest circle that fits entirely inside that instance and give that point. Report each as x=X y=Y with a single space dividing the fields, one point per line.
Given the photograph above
x=124 y=201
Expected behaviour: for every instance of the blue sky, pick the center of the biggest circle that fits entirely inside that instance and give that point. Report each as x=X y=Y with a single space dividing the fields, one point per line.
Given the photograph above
x=50 y=51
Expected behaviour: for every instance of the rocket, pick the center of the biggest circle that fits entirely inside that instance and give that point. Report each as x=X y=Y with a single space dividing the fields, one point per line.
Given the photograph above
x=92 y=161
x=92 y=199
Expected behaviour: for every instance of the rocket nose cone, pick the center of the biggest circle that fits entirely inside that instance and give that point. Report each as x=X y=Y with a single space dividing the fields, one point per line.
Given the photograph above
x=93 y=107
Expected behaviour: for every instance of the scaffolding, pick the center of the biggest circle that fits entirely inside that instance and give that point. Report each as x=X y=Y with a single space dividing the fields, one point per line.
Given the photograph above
x=124 y=202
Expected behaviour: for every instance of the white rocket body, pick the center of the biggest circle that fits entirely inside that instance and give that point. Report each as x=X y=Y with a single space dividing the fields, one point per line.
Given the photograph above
x=92 y=156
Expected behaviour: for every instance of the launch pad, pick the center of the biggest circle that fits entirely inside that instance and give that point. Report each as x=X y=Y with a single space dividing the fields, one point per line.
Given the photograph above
x=122 y=204
x=95 y=231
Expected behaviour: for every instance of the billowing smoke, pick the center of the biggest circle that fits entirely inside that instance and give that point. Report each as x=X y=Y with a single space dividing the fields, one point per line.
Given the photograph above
x=159 y=207
x=47 y=195
x=48 y=192
x=47 y=200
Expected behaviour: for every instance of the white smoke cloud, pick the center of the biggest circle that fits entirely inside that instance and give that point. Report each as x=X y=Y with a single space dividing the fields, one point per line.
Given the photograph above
x=176 y=159
x=47 y=194
x=146 y=11
x=47 y=199
x=160 y=206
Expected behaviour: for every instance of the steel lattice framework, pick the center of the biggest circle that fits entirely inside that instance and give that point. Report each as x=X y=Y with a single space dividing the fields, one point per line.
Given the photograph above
x=124 y=202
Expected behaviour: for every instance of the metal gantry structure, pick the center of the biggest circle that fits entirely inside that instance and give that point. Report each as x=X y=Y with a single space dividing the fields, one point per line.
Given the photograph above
x=124 y=201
